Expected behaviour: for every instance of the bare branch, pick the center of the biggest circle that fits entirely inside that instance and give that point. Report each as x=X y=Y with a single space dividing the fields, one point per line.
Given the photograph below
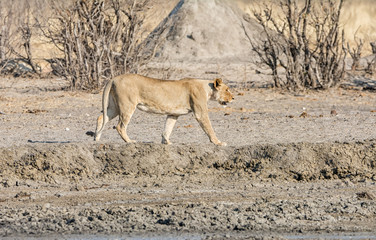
x=99 y=39
x=310 y=60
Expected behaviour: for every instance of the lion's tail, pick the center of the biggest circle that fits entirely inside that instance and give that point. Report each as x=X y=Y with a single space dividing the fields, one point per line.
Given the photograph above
x=106 y=98
x=105 y=101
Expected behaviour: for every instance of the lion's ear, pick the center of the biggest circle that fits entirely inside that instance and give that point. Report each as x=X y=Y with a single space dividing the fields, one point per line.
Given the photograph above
x=217 y=82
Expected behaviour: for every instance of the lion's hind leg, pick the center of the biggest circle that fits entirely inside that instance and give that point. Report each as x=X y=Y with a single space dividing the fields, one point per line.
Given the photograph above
x=124 y=119
x=112 y=112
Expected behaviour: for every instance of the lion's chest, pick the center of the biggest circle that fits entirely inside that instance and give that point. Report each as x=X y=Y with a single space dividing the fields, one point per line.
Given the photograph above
x=165 y=109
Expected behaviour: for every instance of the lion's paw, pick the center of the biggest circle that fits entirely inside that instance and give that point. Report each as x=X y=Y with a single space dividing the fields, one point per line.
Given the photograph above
x=221 y=144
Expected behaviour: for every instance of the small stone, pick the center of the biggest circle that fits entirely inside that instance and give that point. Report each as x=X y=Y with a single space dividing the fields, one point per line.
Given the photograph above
x=78 y=188
x=46 y=206
x=333 y=112
x=304 y=115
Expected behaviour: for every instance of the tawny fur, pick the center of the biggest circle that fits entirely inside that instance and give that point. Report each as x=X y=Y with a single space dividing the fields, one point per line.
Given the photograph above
x=123 y=94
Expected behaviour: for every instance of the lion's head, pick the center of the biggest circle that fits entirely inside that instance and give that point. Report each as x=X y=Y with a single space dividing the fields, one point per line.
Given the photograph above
x=222 y=92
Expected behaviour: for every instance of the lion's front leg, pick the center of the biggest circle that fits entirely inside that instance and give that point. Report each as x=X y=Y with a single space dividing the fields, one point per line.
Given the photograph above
x=170 y=123
x=202 y=117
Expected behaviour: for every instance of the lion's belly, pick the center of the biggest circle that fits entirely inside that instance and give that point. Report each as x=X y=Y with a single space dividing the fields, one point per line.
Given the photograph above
x=165 y=110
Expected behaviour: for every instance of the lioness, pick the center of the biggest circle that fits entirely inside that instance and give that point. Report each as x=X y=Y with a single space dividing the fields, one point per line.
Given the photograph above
x=124 y=93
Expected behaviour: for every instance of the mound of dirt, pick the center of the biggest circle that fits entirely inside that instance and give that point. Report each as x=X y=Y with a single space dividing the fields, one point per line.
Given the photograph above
x=205 y=39
x=206 y=31
x=301 y=161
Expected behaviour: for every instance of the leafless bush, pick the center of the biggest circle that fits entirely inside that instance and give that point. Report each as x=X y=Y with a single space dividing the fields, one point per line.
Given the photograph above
x=26 y=29
x=371 y=65
x=17 y=27
x=355 y=53
x=98 y=39
x=5 y=36
x=306 y=42
x=373 y=47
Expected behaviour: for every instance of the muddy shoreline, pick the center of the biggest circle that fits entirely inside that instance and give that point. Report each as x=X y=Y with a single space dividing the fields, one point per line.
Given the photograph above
x=217 y=192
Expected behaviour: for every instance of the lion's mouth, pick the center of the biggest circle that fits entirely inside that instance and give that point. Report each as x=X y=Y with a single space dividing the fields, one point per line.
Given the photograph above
x=223 y=103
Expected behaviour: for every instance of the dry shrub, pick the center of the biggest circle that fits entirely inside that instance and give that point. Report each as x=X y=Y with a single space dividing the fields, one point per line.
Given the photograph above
x=98 y=39
x=305 y=40
x=371 y=65
x=16 y=30
x=355 y=52
x=5 y=35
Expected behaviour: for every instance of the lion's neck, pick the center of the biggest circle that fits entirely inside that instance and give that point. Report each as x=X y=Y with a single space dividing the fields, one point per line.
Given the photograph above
x=210 y=91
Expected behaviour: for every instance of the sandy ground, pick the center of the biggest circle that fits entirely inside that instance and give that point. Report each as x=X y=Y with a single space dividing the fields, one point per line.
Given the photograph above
x=296 y=165
x=35 y=111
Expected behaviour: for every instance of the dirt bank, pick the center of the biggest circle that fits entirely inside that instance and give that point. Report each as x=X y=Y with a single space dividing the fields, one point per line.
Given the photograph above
x=301 y=161
x=203 y=189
